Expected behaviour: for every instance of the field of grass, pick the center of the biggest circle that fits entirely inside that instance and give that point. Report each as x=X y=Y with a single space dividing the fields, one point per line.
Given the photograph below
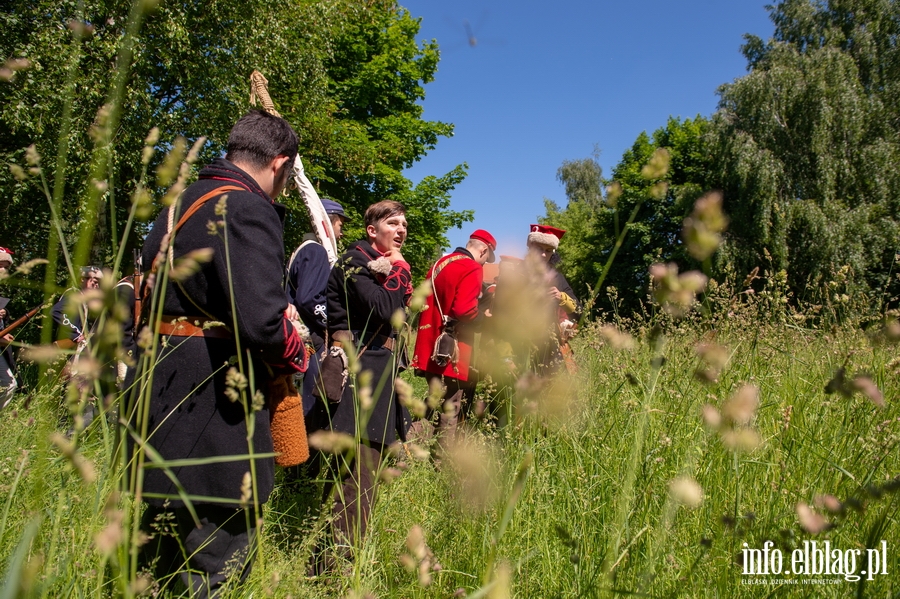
x=573 y=496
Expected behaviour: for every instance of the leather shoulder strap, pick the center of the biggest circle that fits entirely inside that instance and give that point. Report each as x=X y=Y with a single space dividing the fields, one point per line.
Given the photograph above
x=438 y=267
x=202 y=200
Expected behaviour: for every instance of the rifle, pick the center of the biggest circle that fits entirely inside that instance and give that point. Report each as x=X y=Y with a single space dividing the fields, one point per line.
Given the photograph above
x=318 y=218
x=138 y=300
x=21 y=320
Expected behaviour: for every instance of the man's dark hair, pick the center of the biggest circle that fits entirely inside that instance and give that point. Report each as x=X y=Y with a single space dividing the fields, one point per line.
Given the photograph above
x=259 y=137
x=381 y=210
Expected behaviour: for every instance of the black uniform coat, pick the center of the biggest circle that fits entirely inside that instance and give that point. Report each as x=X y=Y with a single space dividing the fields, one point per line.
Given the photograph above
x=189 y=414
x=363 y=294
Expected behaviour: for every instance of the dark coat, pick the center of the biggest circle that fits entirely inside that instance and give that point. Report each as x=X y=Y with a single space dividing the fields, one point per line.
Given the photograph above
x=307 y=277
x=362 y=300
x=189 y=413
x=457 y=288
x=70 y=320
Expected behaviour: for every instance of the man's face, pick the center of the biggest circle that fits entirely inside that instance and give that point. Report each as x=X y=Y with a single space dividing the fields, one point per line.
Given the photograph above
x=388 y=233
x=92 y=281
x=337 y=223
x=539 y=250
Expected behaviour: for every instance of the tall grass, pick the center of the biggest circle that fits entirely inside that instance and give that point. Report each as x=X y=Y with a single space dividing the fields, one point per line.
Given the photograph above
x=595 y=516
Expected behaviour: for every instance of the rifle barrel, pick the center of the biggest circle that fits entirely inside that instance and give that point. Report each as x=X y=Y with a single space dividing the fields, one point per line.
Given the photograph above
x=20 y=321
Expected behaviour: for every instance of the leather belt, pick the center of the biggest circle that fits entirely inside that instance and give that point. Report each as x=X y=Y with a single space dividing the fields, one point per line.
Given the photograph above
x=190 y=326
x=346 y=337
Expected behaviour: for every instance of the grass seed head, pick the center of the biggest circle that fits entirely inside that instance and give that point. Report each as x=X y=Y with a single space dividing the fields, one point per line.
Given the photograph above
x=82 y=466
x=686 y=491
x=742 y=440
x=658 y=165
x=31 y=156
x=703 y=228
x=676 y=293
x=42 y=354
x=398 y=319
x=436 y=390
x=405 y=394
x=246 y=489
x=189 y=264
x=420 y=295
x=810 y=521
x=331 y=441
x=415 y=542
x=474 y=472
x=501 y=583
x=742 y=406
x=714 y=357
x=18 y=172
x=112 y=534
x=616 y=339
x=194 y=152
x=865 y=385
x=168 y=170
x=26 y=267
x=828 y=502
x=613 y=193
x=12 y=66
x=364 y=385
x=152 y=137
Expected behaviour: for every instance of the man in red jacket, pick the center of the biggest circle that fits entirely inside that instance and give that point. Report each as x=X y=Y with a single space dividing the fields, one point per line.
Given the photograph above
x=452 y=308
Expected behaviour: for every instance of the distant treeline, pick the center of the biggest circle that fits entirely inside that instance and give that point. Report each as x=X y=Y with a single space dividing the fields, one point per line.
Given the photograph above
x=805 y=150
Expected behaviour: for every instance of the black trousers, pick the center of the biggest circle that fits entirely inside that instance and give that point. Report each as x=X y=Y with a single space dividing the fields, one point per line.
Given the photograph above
x=354 y=496
x=202 y=558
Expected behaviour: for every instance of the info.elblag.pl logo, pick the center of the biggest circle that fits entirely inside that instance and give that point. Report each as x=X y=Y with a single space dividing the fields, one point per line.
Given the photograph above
x=815 y=559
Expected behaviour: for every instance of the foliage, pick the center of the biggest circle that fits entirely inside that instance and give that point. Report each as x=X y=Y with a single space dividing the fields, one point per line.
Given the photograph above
x=373 y=128
x=593 y=222
x=346 y=76
x=807 y=146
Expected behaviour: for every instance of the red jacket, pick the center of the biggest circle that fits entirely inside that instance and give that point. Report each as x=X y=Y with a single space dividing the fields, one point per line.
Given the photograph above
x=457 y=287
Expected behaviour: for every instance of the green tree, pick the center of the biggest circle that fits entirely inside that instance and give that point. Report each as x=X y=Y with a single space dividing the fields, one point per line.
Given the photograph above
x=807 y=145
x=594 y=222
x=374 y=128
x=346 y=76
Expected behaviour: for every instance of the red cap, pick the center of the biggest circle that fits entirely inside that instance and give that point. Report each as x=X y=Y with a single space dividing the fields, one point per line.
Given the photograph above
x=545 y=235
x=487 y=238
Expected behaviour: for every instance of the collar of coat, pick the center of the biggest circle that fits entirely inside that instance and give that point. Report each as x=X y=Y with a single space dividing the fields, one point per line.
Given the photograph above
x=226 y=171
x=377 y=263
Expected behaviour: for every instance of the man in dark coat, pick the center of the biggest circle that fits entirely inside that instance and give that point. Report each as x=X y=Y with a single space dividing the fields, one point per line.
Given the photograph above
x=72 y=320
x=224 y=331
x=307 y=276
x=368 y=285
x=456 y=281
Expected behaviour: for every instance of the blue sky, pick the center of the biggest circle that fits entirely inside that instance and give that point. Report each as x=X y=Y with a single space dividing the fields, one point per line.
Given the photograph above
x=547 y=81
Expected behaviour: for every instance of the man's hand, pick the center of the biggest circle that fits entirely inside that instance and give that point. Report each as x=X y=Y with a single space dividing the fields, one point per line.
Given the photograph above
x=555 y=293
x=291 y=312
x=394 y=255
x=293 y=317
x=6 y=340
